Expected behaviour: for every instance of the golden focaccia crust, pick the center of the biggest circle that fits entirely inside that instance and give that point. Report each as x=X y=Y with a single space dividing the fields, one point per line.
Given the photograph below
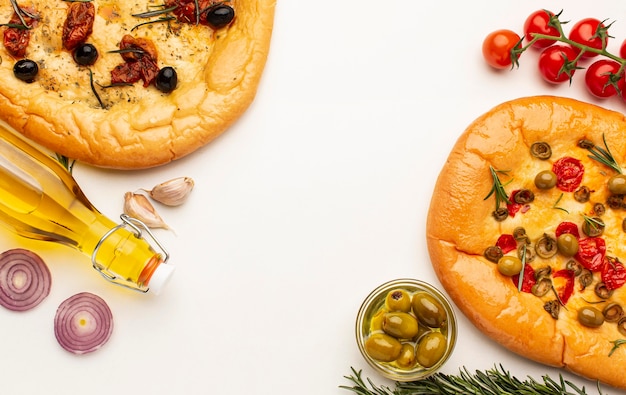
x=218 y=75
x=460 y=227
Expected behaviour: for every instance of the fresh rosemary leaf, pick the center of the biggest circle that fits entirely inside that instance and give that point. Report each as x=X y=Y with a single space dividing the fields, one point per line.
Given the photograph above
x=616 y=344
x=150 y=14
x=66 y=162
x=602 y=155
x=494 y=381
x=498 y=188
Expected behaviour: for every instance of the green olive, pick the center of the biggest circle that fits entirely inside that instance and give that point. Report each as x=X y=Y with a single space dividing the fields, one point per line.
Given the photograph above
x=545 y=179
x=567 y=244
x=400 y=325
x=509 y=265
x=617 y=184
x=406 y=360
x=382 y=347
x=398 y=300
x=431 y=349
x=428 y=310
x=590 y=316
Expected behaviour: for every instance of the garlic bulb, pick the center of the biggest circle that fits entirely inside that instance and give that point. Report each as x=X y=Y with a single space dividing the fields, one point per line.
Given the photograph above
x=173 y=192
x=139 y=207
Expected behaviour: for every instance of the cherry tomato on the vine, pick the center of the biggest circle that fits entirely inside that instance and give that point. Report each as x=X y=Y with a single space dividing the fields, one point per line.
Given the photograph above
x=552 y=63
x=588 y=32
x=538 y=22
x=497 y=48
x=601 y=78
x=622 y=50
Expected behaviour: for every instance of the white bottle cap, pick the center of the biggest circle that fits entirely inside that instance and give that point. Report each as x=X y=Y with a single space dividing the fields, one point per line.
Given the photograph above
x=160 y=277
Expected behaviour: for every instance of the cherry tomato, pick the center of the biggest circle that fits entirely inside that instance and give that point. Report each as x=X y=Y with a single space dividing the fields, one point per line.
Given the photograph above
x=601 y=79
x=567 y=227
x=587 y=32
x=591 y=253
x=622 y=50
x=568 y=289
x=552 y=65
x=527 y=281
x=497 y=48
x=537 y=22
x=569 y=172
x=613 y=273
x=506 y=243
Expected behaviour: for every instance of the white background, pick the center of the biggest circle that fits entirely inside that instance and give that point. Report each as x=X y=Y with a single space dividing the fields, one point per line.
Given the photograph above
x=315 y=197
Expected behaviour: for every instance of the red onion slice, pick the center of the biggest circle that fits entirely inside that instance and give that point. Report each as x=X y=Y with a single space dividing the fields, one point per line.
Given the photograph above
x=24 y=279
x=83 y=323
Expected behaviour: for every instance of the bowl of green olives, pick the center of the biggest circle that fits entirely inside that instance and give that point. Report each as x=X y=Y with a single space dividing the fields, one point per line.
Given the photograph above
x=406 y=329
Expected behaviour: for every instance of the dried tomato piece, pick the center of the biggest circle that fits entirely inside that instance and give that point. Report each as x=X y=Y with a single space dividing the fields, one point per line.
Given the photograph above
x=506 y=243
x=527 y=281
x=568 y=289
x=140 y=58
x=16 y=39
x=567 y=227
x=185 y=11
x=591 y=252
x=569 y=172
x=78 y=24
x=613 y=273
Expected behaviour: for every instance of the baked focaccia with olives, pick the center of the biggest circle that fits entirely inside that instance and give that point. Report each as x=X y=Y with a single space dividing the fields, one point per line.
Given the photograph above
x=526 y=232
x=130 y=84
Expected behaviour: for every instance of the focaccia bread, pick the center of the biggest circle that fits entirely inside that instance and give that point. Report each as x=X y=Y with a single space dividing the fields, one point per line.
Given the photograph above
x=470 y=229
x=86 y=113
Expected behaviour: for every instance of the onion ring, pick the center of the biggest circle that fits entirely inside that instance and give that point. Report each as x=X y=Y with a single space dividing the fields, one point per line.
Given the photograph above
x=83 y=323
x=25 y=279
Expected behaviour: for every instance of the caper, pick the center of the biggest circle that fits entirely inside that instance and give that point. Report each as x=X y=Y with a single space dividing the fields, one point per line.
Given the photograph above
x=541 y=150
x=398 y=300
x=400 y=325
x=546 y=246
x=382 y=347
x=590 y=316
x=509 y=265
x=545 y=179
x=428 y=310
x=407 y=357
x=431 y=349
x=613 y=312
x=617 y=184
x=567 y=244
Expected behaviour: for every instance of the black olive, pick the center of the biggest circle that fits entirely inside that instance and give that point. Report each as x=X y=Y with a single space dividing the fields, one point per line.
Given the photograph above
x=220 y=16
x=25 y=70
x=85 y=54
x=166 y=80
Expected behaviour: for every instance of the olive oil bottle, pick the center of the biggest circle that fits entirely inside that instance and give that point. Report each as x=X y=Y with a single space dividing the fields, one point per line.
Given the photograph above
x=39 y=199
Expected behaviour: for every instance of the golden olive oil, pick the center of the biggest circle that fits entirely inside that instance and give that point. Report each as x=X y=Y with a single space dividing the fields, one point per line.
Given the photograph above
x=39 y=199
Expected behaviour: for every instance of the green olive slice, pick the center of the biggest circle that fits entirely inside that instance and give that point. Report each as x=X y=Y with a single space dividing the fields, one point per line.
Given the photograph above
x=593 y=227
x=613 y=312
x=541 y=150
x=546 y=246
x=542 y=287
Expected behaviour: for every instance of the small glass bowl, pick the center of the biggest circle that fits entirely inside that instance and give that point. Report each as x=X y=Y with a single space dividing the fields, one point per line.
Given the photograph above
x=373 y=304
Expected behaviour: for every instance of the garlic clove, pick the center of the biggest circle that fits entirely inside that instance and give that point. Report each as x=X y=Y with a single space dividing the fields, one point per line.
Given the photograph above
x=173 y=192
x=139 y=207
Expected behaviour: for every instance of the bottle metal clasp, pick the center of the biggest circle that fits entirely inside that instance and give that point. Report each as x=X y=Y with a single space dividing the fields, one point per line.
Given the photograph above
x=139 y=229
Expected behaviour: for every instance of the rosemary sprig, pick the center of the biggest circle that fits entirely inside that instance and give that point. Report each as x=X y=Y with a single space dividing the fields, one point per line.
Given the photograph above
x=555 y=205
x=66 y=162
x=494 y=381
x=593 y=223
x=159 y=20
x=616 y=344
x=21 y=13
x=520 y=281
x=159 y=12
x=497 y=188
x=602 y=155
x=93 y=89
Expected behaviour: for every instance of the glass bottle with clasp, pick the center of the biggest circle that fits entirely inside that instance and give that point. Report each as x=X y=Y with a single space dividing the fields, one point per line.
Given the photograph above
x=40 y=199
